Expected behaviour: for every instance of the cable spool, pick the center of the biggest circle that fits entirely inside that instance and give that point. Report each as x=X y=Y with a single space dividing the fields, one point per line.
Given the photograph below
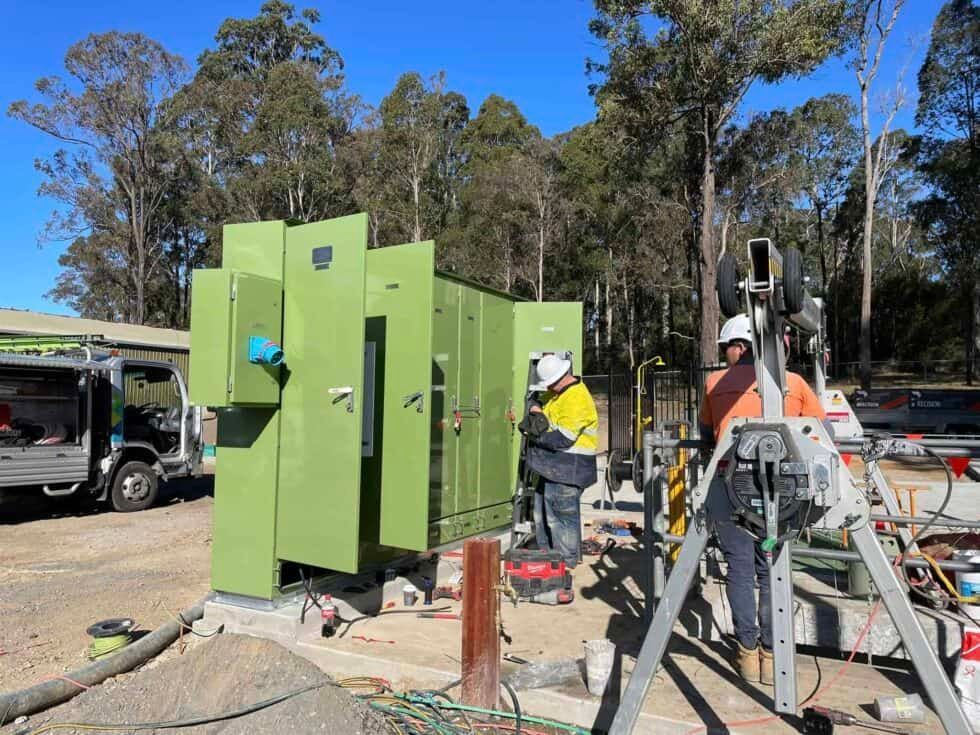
x=109 y=636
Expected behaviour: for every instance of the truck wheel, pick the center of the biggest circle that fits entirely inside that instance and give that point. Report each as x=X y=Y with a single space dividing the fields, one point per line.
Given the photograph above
x=135 y=487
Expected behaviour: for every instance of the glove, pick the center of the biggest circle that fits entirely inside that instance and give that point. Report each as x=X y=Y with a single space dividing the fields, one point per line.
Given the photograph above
x=534 y=425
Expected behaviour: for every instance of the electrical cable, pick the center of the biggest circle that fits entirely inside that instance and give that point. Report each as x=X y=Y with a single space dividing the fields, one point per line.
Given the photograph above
x=188 y=722
x=107 y=645
x=516 y=703
x=444 y=608
x=921 y=531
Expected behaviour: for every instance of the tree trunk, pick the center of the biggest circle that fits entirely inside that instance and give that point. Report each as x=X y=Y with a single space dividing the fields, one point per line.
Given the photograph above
x=541 y=239
x=709 y=256
x=869 y=216
x=820 y=244
x=973 y=342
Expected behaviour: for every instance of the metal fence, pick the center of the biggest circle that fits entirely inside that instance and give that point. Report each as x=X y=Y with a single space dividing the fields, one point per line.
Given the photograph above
x=670 y=396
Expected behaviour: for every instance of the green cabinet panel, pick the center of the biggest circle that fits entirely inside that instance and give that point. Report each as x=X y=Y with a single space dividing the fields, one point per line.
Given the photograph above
x=542 y=327
x=445 y=386
x=468 y=400
x=399 y=322
x=254 y=247
x=496 y=400
x=352 y=452
x=232 y=307
x=243 y=548
x=320 y=437
x=243 y=559
x=211 y=344
x=256 y=312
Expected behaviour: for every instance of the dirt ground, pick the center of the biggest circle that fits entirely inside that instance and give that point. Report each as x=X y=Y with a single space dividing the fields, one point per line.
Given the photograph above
x=219 y=675
x=63 y=568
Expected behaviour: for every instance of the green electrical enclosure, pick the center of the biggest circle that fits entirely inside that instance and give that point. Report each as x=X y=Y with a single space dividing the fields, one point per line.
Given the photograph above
x=390 y=424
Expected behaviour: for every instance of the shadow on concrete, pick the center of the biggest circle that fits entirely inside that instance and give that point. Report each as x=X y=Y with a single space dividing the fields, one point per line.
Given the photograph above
x=616 y=571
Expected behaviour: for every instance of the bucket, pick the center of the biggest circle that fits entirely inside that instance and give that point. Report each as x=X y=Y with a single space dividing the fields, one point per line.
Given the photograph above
x=968 y=583
x=599 y=657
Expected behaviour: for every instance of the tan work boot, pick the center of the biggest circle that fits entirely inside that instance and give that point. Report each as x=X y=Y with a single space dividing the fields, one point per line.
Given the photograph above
x=766 y=674
x=748 y=663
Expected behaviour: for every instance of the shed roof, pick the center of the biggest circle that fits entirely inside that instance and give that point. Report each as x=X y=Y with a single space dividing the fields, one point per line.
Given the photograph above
x=17 y=321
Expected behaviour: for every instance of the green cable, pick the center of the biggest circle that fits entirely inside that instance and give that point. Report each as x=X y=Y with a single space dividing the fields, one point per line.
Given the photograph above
x=100 y=647
x=415 y=699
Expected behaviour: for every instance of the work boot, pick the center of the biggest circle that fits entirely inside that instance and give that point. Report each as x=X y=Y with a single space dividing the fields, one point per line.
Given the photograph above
x=748 y=663
x=765 y=666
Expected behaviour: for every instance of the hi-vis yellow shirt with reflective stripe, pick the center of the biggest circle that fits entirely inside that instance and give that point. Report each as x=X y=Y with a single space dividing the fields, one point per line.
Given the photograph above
x=572 y=413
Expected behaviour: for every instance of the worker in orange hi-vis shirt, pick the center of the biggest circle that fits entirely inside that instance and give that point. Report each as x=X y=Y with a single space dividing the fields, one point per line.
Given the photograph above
x=732 y=394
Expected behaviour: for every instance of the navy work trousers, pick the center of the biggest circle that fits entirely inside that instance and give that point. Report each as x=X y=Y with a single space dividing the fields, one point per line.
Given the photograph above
x=558 y=520
x=746 y=564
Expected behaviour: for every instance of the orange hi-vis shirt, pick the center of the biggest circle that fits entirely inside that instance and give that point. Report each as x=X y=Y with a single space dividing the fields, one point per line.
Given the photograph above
x=732 y=394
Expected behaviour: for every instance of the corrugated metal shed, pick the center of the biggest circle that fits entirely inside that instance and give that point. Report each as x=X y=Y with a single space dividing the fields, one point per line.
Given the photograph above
x=17 y=321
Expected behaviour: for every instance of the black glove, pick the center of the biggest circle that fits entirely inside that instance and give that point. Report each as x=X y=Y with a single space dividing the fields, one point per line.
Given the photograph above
x=534 y=424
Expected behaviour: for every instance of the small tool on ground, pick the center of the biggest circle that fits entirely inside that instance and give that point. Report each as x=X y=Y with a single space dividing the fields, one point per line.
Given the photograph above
x=819 y=720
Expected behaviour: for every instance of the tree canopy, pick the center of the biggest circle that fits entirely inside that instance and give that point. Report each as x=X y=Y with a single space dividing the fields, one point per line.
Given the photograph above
x=627 y=213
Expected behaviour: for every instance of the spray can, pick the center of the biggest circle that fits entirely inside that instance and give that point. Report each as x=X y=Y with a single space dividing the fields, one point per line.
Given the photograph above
x=328 y=617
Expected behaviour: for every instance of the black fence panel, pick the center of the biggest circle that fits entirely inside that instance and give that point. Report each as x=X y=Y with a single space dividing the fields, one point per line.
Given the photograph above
x=673 y=395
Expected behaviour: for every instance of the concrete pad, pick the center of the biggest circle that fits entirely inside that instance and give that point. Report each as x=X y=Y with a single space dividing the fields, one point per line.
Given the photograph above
x=695 y=686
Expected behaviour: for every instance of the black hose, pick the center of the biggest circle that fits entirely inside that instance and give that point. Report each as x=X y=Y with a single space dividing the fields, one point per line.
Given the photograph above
x=517 y=706
x=49 y=693
x=190 y=721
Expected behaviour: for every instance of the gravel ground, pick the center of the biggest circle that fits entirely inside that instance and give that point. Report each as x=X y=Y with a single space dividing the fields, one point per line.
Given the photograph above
x=63 y=567
x=221 y=674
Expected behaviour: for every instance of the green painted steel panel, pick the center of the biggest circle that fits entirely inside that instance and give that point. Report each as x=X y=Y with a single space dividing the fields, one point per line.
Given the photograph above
x=399 y=317
x=468 y=400
x=445 y=381
x=254 y=247
x=243 y=532
x=542 y=327
x=496 y=400
x=320 y=439
x=256 y=311
x=243 y=559
x=211 y=337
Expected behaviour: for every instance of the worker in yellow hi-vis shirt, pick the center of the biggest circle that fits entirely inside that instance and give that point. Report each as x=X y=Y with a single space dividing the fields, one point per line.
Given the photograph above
x=563 y=454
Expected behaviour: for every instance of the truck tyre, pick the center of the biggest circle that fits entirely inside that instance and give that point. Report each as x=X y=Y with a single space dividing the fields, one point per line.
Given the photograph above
x=134 y=488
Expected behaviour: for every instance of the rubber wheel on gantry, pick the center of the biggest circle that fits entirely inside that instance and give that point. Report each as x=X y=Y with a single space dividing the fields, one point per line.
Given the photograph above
x=793 y=280
x=728 y=282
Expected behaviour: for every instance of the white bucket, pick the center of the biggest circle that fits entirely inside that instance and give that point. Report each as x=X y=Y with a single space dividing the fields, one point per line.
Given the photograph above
x=968 y=583
x=599 y=657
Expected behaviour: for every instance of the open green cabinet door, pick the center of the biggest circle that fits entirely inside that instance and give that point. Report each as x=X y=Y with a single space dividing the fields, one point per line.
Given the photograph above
x=323 y=394
x=399 y=325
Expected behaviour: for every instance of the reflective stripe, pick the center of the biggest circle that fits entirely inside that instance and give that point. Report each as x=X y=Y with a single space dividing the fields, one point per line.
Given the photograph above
x=567 y=433
x=579 y=450
x=590 y=432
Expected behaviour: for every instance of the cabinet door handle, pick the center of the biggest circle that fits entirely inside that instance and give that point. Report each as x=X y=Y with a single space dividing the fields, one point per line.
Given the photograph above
x=418 y=398
x=342 y=392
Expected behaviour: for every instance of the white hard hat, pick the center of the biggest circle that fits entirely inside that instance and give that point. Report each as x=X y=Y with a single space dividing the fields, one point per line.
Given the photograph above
x=552 y=368
x=737 y=327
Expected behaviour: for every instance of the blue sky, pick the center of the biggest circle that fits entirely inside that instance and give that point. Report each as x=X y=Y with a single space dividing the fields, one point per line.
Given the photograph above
x=532 y=52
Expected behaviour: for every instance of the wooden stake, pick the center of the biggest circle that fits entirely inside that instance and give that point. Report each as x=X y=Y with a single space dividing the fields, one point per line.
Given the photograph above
x=481 y=613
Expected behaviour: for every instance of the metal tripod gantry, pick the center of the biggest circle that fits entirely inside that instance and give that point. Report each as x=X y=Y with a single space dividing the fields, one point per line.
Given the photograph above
x=777 y=475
